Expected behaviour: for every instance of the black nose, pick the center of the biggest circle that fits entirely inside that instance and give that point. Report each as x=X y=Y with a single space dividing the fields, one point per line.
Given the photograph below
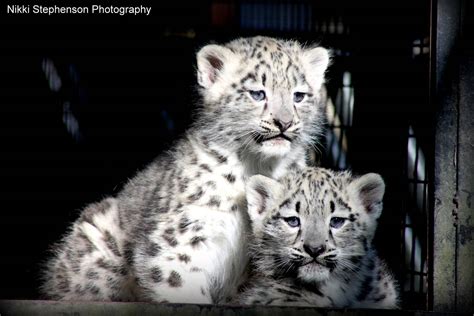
x=314 y=251
x=282 y=126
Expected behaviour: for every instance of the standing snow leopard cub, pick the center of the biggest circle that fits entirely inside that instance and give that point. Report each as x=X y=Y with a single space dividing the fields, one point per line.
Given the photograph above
x=312 y=241
x=176 y=232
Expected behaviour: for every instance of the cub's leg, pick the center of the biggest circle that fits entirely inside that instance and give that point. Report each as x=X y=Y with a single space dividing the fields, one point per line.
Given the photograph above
x=88 y=264
x=383 y=288
x=197 y=257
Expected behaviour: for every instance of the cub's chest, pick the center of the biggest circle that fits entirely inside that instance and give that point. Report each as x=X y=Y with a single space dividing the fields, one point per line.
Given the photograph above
x=215 y=186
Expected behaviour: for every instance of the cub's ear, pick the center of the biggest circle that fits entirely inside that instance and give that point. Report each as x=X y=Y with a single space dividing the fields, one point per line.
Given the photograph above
x=262 y=195
x=211 y=60
x=317 y=60
x=369 y=189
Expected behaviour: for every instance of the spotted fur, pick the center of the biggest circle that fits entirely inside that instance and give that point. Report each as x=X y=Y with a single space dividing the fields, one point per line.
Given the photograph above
x=312 y=241
x=176 y=232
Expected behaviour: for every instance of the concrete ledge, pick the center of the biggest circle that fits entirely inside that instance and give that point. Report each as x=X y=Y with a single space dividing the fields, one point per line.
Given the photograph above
x=27 y=307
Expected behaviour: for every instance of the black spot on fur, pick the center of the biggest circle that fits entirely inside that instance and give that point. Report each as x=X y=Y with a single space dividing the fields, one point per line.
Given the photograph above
x=93 y=289
x=298 y=204
x=183 y=225
x=234 y=208
x=197 y=228
x=156 y=275
x=152 y=249
x=183 y=185
x=352 y=217
x=220 y=158
x=104 y=264
x=230 y=177
x=112 y=267
x=179 y=208
x=63 y=283
x=92 y=275
x=174 y=280
x=196 y=196
x=205 y=167
x=79 y=290
x=183 y=257
x=162 y=210
x=332 y=206
x=196 y=240
x=366 y=248
x=214 y=201
x=128 y=252
x=344 y=204
x=211 y=184
x=170 y=239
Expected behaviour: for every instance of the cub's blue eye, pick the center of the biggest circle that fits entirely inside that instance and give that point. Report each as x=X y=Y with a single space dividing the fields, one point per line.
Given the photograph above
x=257 y=95
x=337 y=222
x=298 y=97
x=293 y=221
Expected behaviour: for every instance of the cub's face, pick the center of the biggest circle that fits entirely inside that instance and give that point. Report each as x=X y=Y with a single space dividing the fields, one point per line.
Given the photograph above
x=262 y=93
x=313 y=224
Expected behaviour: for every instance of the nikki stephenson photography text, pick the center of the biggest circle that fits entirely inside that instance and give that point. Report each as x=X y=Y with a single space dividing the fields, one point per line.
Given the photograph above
x=93 y=9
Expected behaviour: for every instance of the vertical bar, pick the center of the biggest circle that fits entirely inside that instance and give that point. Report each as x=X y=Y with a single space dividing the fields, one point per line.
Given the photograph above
x=445 y=173
x=453 y=229
x=465 y=275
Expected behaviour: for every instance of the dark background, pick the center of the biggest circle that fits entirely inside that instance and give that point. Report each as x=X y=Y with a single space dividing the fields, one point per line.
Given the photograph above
x=130 y=84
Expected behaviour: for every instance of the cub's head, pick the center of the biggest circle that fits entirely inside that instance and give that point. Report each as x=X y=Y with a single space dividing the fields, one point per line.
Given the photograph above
x=313 y=224
x=262 y=95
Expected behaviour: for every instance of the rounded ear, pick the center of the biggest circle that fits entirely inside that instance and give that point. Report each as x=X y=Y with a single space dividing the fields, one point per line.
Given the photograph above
x=369 y=189
x=262 y=195
x=317 y=60
x=211 y=60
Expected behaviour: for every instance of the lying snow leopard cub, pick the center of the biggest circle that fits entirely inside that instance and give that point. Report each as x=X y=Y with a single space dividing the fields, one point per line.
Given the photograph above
x=175 y=232
x=312 y=241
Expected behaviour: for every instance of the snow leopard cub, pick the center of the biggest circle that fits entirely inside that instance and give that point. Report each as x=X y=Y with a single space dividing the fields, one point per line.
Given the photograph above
x=312 y=241
x=176 y=232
